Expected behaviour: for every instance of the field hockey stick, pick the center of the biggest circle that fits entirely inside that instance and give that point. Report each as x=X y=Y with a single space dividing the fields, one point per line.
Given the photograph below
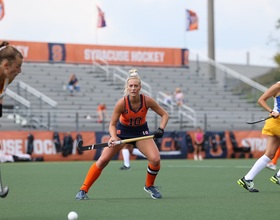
x=3 y=192
x=263 y=119
x=101 y=145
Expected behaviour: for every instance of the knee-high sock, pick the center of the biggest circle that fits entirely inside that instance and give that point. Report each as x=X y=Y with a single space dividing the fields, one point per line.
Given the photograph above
x=137 y=152
x=276 y=157
x=126 y=159
x=152 y=172
x=258 y=166
x=92 y=175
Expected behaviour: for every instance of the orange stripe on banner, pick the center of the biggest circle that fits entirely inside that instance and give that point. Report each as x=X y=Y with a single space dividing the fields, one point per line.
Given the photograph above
x=31 y=51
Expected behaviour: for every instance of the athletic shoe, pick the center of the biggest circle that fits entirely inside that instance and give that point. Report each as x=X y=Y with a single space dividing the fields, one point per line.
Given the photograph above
x=247 y=184
x=82 y=195
x=275 y=179
x=271 y=166
x=155 y=194
x=124 y=167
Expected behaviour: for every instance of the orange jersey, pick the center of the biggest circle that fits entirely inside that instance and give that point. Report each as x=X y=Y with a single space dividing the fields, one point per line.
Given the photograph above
x=134 y=118
x=101 y=107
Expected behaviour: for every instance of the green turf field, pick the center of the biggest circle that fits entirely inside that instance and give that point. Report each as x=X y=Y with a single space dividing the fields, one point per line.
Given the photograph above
x=191 y=190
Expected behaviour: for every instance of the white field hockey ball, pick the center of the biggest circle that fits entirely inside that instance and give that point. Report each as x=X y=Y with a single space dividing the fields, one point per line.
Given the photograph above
x=72 y=215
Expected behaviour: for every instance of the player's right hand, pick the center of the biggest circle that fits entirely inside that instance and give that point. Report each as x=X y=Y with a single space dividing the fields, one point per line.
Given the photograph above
x=274 y=114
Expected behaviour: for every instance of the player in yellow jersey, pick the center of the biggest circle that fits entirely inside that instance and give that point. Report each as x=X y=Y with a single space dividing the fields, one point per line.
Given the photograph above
x=272 y=130
x=129 y=121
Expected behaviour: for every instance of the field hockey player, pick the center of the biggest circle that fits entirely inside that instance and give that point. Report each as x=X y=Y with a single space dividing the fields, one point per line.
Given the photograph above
x=128 y=121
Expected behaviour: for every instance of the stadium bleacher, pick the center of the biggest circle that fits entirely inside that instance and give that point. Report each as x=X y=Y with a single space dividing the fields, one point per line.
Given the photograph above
x=216 y=108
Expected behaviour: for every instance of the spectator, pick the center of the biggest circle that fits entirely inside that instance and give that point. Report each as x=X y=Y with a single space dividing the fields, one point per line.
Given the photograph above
x=198 y=143
x=167 y=100
x=101 y=111
x=179 y=96
x=73 y=84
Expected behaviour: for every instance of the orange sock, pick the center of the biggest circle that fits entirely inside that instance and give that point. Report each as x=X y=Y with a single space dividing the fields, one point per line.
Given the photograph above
x=276 y=157
x=152 y=172
x=92 y=175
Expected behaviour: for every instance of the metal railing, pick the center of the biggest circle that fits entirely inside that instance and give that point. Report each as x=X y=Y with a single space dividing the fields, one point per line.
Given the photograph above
x=18 y=98
x=162 y=99
x=38 y=94
x=48 y=120
x=185 y=111
x=182 y=112
x=20 y=114
x=101 y=64
x=237 y=75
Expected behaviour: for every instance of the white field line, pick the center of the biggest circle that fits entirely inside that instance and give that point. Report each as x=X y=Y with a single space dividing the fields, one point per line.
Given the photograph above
x=207 y=166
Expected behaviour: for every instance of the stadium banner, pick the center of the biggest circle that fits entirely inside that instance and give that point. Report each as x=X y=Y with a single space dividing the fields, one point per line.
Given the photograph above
x=113 y=55
x=32 y=51
x=57 y=52
x=219 y=144
x=15 y=143
x=173 y=145
x=252 y=139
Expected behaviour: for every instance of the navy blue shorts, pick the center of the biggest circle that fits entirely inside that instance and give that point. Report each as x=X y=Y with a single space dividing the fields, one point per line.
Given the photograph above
x=125 y=132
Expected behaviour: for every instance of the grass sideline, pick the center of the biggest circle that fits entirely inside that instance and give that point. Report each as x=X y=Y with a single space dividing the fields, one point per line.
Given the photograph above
x=191 y=190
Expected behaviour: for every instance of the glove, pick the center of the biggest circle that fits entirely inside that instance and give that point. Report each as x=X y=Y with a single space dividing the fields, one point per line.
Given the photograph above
x=159 y=133
x=0 y=110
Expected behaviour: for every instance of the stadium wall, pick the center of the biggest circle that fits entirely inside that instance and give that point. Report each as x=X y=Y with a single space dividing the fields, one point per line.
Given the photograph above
x=114 y=55
x=174 y=145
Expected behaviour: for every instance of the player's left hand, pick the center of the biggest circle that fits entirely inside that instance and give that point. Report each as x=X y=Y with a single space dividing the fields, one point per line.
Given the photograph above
x=159 y=133
x=111 y=143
